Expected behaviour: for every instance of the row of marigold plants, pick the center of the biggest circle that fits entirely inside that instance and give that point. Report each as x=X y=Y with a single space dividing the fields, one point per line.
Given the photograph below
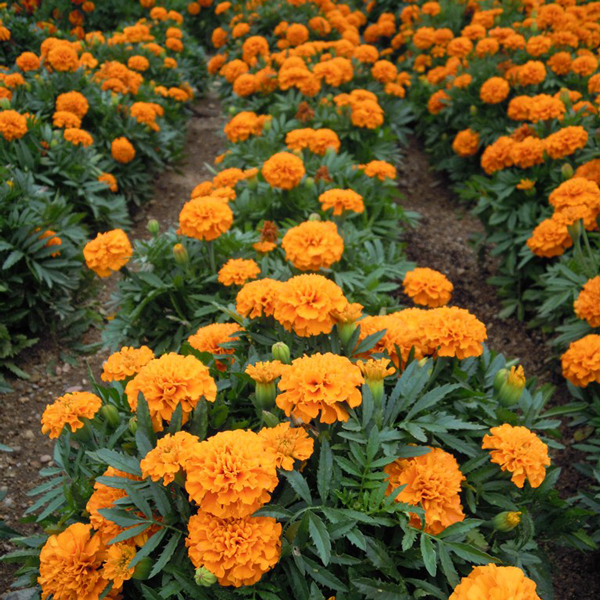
x=281 y=423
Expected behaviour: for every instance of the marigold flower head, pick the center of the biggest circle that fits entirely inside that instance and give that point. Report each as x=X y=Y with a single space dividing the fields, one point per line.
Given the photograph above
x=231 y=474
x=587 y=305
x=211 y=337
x=258 y=298
x=494 y=90
x=242 y=126
x=238 y=551
x=492 y=581
x=581 y=362
x=78 y=137
x=126 y=363
x=519 y=451
x=28 y=61
x=74 y=102
x=122 y=150
x=63 y=118
x=590 y=170
x=13 y=125
x=288 y=443
x=577 y=192
x=375 y=369
x=70 y=565
x=283 y=170
x=428 y=287
x=236 y=271
x=170 y=381
x=438 y=102
x=466 y=143
x=497 y=156
x=116 y=565
x=110 y=180
x=321 y=385
x=205 y=218
x=433 y=482
x=63 y=57
x=52 y=240
x=313 y=245
x=69 y=409
x=305 y=304
x=380 y=169
x=565 y=141
x=550 y=238
x=169 y=456
x=367 y=114
x=527 y=152
x=265 y=372
x=108 y=252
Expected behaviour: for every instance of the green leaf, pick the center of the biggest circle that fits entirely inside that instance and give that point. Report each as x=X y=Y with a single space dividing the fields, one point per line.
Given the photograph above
x=121 y=462
x=430 y=398
x=148 y=547
x=320 y=536
x=299 y=485
x=447 y=565
x=324 y=576
x=375 y=589
x=325 y=470
x=471 y=554
x=429 y=555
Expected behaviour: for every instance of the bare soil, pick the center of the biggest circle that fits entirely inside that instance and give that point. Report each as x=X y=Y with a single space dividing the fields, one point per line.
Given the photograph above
x=443 y=241
x=51 y=376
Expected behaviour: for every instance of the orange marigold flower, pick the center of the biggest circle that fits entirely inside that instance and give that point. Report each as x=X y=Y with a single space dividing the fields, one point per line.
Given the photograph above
x=78 y=137
x=497 y=156
x=566 y=141
x=228 y=177
x=63 y=57
x=581 y=362
x=70 y=565
x=519 y=451
x=380 y=169
x=322 y=140
x=454 y=332
x=116 y=563
x=283 y=170
x=170 y=381
x=231 y=474
x=258 y=298
x=527 y=152
x=69 y=409
x=304 y=304
x=432 y=482
x=531 y=73
x=122 y=150
x=375 y=369
x=428 y=287
x=126 y=363
x=313 y=245
x=63 y=118
x=466 y=143
x=587 y=305
x=28 y=61
x=169 y=456
x=437 y=102
x=265 y=372
x=575 y=192
x=205 y=218
x=211 y=337
x=492 y=581
x=494 y=90
x=366 y=114
x=238 y=551
x=73 y=102
x=110 y=180
x=12 y=125
x=288 y=443
x=342 y=201
x=242 y=126
x=590 y=170
x=236 y=271
x=525 y=184
x=53 y=240
x=321 y=383
x=550 y=238
x=108 y=252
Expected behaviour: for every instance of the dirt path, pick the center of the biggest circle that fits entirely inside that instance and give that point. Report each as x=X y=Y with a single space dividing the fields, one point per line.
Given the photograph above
x=441 y=242
x=51 y=376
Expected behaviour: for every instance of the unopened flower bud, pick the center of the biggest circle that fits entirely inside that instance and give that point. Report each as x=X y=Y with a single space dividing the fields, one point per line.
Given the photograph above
x=267 y=125
x=265 y=394
x=567 y=171
x=506 y=521
x=473 y=109
x=565 y=97
x=204 y=578
x=345 y=331
x=314 y=217
x=4 y=103
x=111 y=415
x=143 y=568
x=133 y=425
x=252 y=183
x=269 y=419
x=575 y=229
x=509 y=385
x=153 y=226
x=232 y=110
x=181 y=254
x=309 y=182
x=281 y=352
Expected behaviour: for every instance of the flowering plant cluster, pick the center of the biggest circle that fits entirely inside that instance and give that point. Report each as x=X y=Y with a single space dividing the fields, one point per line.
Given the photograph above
x=86 y=120
x=277 y=426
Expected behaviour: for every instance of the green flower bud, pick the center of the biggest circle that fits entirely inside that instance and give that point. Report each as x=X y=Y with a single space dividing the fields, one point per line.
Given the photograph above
x=111 y=415
x=506 y=521
x=143 y=568
x=4 y=103
x=204 y=578
x=309 y=182
x=266 y=394
x=84 y=434
x=231 y=110
x=267 y=125
x=345 y=331
x=133 y=425
x=509 y=385
x=281 y=352
x=180 y=254
x=575 y=229
x=567 y=171
x=314 y=217
x=269 y=419
x=473 y=109
x=153 y=226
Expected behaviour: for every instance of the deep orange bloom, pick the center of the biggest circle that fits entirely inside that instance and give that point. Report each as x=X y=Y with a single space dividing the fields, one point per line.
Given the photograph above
x=211 y=337
x=433 y=482
x=587 y=305
x=492 y=581
x=581 y=362
x=283 y=170
x=313 y=245
x=342 y=201
x=380 y=169
x=69 y=410
x=122 y=150
x=550 y=238
x=466 y=143
x=205 y=218
x=126 y=363
x=494 y=90
x=427 y=287
x=78 y=137
x=74 y=102
x=108 y=252
x=12 y=125
x=236 y=271
x=288 y=443
x=257 y=298
x=169 y=456
x=116 y=565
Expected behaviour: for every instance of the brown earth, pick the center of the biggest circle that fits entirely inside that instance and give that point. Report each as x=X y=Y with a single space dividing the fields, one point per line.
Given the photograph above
x=52 y=375
x=442 y=242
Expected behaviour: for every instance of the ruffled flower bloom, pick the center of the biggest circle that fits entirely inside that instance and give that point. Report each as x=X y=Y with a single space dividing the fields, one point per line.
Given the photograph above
x=519 y=451
x=205 y=218
x=342 y=201
x=565 y=141
x=78 y=137
x=494 y=90
x=238 y=551
x=231 y=474
x=380 y=169
x=466 y=143
x=13 y=125
x=433 y=482
x=320 y=385
x=236 y=271
x=211 y=337
x=126 y=363
x=116 y=564
x=305 y=304
x=73 y=102
x=550 y=238
x=110 y=180
x=108 y=252
x=427 y=287
x=70 y=565
x=170 y=381
x=288 y=443
x=122 y=150
x=63 y=118
x=283 y=170
x=581 y=362
x=169 y=456
x=265 y=372
x=69 y=410
x=313 y=245
x=258 y=298
x=492 y=581
x=587 y=305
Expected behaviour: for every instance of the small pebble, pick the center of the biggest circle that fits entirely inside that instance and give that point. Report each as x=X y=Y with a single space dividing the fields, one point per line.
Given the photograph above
x=45 y=458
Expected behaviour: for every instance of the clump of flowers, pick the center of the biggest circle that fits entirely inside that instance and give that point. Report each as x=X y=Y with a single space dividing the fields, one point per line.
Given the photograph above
x=519 y=451
x=427 y=287
x=313 y=245
x=108 y=252
x=125 y=363
x=69 y=409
